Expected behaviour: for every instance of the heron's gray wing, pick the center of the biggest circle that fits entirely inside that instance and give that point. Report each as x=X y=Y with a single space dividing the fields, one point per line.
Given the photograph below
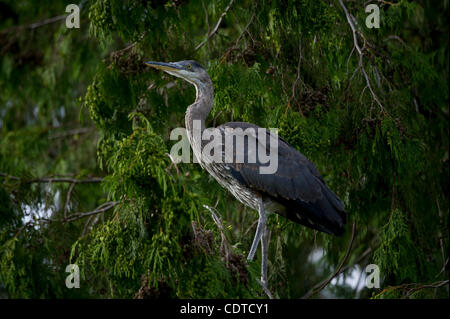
x=297 y=184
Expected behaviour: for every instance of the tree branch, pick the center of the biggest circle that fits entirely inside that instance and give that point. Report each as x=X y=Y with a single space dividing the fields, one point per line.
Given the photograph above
x=53 y=179
x=224 y=244
x=77 y=131
x=245 y=29
x=69 y=193
x=413 y=287
x=216 y=27
x=35 y=25
x=318 y=287
x=361 y=54
x=297 y=78
x=100 y=209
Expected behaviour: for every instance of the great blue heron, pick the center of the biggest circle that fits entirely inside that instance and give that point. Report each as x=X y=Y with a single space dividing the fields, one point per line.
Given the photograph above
x=295 y=190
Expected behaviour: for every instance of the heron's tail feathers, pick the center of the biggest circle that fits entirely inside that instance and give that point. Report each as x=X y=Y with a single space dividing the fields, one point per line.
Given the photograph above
x=326 y=214
x=335 y=215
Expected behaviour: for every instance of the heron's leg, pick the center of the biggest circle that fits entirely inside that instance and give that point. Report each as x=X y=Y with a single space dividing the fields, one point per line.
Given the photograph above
x=264 y=258
x=264 y=253
x=259 y=231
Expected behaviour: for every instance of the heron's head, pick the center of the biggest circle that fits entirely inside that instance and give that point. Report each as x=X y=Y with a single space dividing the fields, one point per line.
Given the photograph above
x=189 y=70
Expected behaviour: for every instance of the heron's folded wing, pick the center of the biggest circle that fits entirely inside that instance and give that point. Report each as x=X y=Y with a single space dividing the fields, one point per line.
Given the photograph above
x=296 y=180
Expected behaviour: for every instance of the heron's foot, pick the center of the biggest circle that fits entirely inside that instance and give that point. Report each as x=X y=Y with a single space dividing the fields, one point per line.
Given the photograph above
x=263 y=284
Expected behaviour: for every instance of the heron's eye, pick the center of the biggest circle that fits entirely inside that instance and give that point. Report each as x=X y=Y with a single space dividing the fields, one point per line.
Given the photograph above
x=189 y=66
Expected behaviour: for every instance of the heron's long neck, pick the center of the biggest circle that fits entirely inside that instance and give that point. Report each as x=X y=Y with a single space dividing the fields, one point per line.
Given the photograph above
x=199 y=110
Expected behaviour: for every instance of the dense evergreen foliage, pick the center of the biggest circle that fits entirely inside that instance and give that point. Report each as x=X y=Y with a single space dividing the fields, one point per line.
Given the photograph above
x=85 y=175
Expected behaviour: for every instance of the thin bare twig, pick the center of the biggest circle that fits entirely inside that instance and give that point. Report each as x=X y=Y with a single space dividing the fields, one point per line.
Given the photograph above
x=317 y=288
x=69 y=193
x=224 y=244
x=297 y=78
x=388 y=2
x=53 y=179
x=441 y=240
x=245 y=29
x=357 y=260
x=433 y=285
x=206 y=17
x=86 y=225
x=102 y=208
x=443 y=268
x=413 y=287
x=215 y=118
x=35 y=25
x=396 y=37
x=350 y=21
x=349 y=56
x=77 y=131
x=173 y=163
x=251 y=226
x=130 y=46
x=216 y=27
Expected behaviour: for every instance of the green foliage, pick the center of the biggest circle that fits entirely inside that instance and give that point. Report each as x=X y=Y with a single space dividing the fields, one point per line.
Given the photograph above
x=7 y=213
x=138 y=162
x=309 y=16
x=396 y=255
x=79 y=104
x=148 y=234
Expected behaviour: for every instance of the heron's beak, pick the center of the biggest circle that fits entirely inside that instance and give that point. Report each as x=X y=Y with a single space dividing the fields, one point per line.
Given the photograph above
x=164 y=66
